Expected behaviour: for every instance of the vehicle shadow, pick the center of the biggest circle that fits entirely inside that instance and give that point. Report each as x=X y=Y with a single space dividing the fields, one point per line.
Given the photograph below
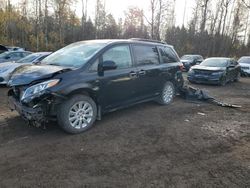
x=15 y=127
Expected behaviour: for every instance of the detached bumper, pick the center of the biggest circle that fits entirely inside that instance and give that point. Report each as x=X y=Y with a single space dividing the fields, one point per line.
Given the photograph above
x=29 y=114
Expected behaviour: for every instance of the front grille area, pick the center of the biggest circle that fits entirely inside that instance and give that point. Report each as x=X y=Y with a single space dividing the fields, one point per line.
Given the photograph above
x=202 y=72
x=245 y=68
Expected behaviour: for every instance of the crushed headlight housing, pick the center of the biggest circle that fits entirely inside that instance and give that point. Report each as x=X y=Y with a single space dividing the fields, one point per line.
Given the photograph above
x=38 y=88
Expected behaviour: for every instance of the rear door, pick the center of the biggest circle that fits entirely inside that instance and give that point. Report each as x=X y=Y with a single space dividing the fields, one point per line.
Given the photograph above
x=147 y=61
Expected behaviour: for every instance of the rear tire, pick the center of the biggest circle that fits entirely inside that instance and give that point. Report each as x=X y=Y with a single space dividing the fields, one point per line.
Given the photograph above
x=237 y=79
x=77 y=114
x=167 y=94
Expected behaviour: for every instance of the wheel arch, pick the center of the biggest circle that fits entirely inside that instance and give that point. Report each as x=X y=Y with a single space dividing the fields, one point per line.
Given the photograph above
x=88 y=91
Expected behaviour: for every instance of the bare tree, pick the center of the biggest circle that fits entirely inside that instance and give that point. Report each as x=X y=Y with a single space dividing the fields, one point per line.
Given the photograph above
x=204 y=14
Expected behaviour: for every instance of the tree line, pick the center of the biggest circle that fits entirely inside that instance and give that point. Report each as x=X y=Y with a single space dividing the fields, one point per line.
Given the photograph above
x=216 y=28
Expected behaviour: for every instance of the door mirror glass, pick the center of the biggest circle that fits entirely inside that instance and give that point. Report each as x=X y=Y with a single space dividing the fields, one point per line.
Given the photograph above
x=107 y=65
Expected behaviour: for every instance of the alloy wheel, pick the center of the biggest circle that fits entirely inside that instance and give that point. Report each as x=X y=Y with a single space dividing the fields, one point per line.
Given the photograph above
x=168 y=93
x=81 y=115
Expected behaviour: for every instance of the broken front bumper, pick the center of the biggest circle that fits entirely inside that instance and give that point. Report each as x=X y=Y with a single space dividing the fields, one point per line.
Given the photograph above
x=31 y=115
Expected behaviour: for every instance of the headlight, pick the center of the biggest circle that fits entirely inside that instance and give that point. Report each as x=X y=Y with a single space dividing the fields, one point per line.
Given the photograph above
x=191 y=71
x=38 y=88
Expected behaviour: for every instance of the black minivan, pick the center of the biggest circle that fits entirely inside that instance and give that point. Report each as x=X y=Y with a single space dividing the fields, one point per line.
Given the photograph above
x=79 y=83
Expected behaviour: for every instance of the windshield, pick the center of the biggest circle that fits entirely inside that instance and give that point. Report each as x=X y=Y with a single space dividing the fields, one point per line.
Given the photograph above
x=188 y=57
x=74 y=55
x=29 y=58
x=245 y=60
x=215 y=63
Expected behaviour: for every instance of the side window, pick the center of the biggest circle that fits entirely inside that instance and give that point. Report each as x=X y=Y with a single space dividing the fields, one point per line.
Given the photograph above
x=168 y=55
x=24 y=54
x=15 y=55
x=120 y=55
x=146 y=55
x=41 y=58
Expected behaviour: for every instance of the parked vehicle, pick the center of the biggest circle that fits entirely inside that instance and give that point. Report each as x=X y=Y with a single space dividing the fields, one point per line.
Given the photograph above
x=10 y=48
x=215 y=71
x=7 y=68
x=191 y=60
x=79 y=83
x=245 y=65
x=13 y=56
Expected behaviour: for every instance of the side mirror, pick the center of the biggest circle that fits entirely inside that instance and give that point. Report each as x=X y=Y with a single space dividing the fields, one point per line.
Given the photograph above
x=36 y=63
x=106 y=65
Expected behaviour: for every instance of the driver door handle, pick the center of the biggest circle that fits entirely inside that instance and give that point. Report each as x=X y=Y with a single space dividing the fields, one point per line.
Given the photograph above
x=142 y=72
x=133 y=74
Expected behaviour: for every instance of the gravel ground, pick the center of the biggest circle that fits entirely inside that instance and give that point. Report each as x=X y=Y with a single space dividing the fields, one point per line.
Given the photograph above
x=181 y=145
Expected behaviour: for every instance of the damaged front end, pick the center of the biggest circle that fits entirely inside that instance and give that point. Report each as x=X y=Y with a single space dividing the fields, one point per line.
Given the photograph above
x=31 y=95
x=36 y=103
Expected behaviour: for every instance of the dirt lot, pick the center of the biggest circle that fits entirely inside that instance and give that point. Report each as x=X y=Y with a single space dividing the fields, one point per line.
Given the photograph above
x=144 y=146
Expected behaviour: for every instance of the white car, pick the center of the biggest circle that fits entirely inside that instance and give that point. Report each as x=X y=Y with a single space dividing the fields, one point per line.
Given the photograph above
x=245 y=65
x=7 y=68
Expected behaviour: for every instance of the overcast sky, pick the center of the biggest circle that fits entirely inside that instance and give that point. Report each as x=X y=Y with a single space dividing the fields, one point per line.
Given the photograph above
x=117 y=8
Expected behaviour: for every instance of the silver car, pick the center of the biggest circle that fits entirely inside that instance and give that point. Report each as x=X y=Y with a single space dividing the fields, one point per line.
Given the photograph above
x=7 y=68
x=245 y=65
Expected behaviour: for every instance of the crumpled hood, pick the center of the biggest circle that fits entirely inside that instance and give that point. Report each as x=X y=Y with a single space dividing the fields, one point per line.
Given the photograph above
x=200 y=67
x=27 y=74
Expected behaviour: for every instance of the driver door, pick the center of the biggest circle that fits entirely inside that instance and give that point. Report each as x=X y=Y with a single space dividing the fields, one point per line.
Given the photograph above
x=118 y=87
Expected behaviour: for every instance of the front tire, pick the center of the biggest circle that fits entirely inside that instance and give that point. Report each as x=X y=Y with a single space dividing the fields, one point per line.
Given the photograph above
x=223 y=81
x=77 y=114
x=167 y=94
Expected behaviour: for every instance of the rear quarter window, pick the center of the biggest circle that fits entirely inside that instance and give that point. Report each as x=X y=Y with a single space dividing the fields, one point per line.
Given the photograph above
x=168 y=55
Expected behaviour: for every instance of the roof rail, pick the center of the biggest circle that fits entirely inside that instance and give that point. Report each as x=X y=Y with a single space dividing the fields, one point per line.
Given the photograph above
x=148 y=40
